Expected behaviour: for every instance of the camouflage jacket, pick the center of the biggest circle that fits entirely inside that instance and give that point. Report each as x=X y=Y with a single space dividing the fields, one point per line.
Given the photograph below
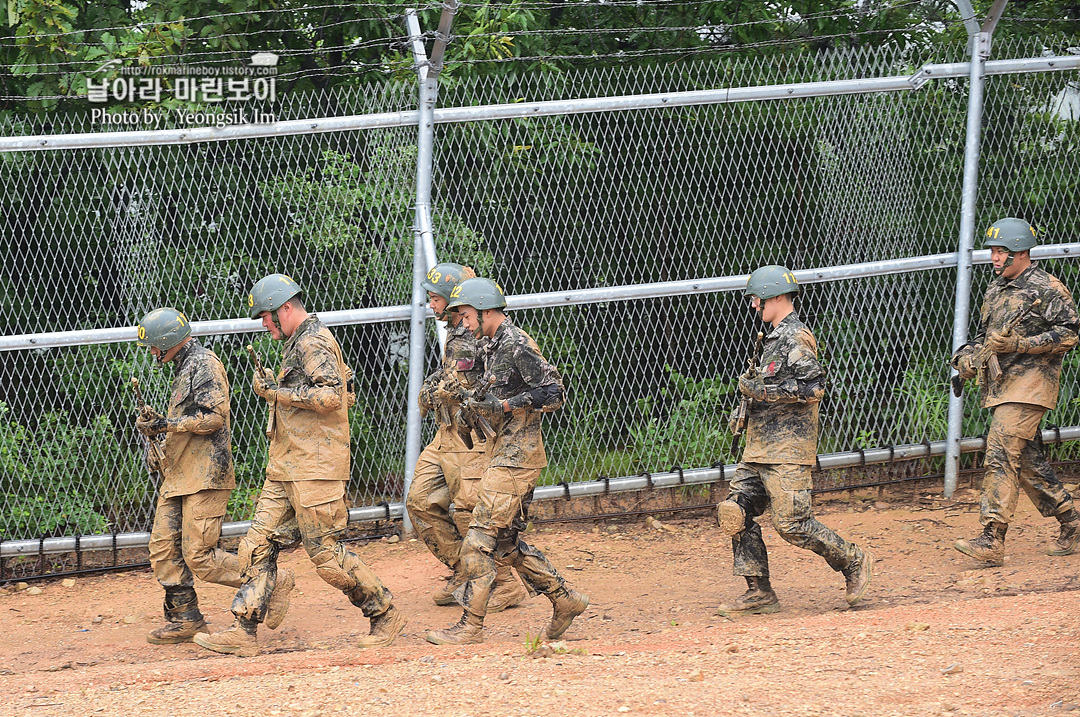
x=463 y=366
x=310 y=439
x=786 y=430
x=519 y=375
x=1051 y=329
x=200 y=458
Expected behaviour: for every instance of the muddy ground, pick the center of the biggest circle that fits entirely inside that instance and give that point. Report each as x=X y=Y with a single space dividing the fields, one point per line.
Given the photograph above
x=934 y=636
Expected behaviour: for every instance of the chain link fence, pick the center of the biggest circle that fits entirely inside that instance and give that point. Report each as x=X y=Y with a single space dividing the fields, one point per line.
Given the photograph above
x=97 y=237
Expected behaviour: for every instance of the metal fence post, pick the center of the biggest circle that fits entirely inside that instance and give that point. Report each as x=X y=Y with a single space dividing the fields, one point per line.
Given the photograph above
x=980 y=51
x=424 y=255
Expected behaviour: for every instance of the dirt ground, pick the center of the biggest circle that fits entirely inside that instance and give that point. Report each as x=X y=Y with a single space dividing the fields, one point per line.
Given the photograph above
x=934 y=636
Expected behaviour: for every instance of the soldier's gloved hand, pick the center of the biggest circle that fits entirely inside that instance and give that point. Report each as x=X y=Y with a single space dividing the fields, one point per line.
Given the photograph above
x=965 y=367
x=752 y=386
x=1007 y=343
x=489 y=407
x=453 y=393
x=151 y=425
x=265 y=385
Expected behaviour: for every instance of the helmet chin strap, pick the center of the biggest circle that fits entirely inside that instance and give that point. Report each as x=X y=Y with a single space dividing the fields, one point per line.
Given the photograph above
x=1006 y=265
x=274 y=318
x=479 y=333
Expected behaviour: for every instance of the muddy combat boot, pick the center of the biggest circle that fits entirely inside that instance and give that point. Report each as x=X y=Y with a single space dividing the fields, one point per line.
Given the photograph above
x=1069 y=536
x=508 y=590
x=239 y=639
x=185 y=621
x=988 y=548
x=445 y=595
x=384 y=628
x=858 y=576
x=731 y=517
x=469 y=630
x=279 y=599
x=759 y=599
x=565 y=606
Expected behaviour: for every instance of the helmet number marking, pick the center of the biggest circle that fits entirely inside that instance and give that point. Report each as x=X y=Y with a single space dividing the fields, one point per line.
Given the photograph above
x=434 y=276
x=456 y=293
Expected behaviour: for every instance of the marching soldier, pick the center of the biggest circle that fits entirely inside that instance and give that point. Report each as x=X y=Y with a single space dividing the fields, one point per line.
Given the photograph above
x=1029 y=359
x=781 y=446
x=306 y=474
x=448 y=469
x=523 y=386
x=195 y=461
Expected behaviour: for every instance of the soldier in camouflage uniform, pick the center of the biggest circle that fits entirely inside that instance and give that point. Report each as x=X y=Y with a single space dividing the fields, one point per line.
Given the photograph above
x=523 y=386
x=448 y=469
x=195 y=461
x=306 y=474
x=781 y=447
x=1030 y=361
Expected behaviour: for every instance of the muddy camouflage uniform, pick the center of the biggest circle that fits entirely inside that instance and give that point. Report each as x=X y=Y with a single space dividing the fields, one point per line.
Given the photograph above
x=1026 y=389
x=197 y=470
x=447 y=470
x=305 y=478
x=781 y=447
x=531 y=387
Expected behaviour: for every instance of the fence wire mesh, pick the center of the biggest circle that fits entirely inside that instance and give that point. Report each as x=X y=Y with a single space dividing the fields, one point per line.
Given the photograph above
x=98 y=237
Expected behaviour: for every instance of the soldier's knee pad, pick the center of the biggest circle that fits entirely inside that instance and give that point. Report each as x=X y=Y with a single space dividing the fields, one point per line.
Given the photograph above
x=479 y=541
x=328 y=565
x=506 y=542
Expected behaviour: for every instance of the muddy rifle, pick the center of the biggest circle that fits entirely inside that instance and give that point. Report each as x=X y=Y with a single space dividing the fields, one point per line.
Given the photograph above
x=152 y=446
x=985 y=360
x=742 y=413
x=272 y=404
x=473 y=419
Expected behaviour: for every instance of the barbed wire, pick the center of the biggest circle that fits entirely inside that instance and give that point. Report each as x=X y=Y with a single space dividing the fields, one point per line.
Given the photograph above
x=350 y=6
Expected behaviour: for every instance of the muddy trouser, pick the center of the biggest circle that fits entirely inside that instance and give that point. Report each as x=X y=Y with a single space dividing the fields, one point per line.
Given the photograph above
x=439 y=480
x=1015 y=459
x=320 y=512
x=501 y=513
x=184 y=545
x=785 y=490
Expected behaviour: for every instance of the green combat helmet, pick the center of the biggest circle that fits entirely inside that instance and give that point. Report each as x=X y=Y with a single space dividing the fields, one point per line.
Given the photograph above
x=769 y=281
x=479 y=293
x=443 y=278
x=1010 y=234
x=163 y=328
x=269 y=293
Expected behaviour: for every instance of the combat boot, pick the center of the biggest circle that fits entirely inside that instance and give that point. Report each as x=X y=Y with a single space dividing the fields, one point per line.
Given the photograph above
x=989 y=547
x=858 y=575
x=384 y=628
x=279 y=599
x=469 y=630
x=239 y=639
x=565 y=606
x=445 y=595
x=1069 y=536
x=759 y=599
x=508 y=590
x=183 y=616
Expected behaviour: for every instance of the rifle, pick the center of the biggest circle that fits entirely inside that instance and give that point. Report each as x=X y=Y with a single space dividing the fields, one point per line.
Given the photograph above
x=272 y=405
x=144 y=408
x=474 y=420
x=454 y=381
x=742 y=412
x=985 y=360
